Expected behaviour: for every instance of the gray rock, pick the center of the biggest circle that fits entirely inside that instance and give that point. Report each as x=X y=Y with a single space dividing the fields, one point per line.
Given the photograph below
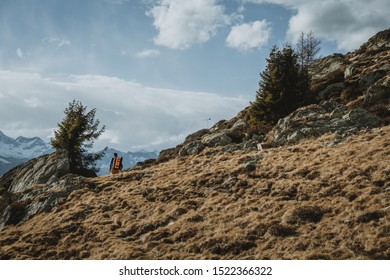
x=331 y=64
x=258 y=138
x=35 y=187
x=316 y=120
x=360 y=118
x=168 y=154
x=195 y=136
x=371 y=78
x=191 y=148
x=239 y=125
x=250 y=145
x=230 y=148
x=42 y=170
x=376 y=93
x=217 y=139
x=332 y=88
x=250 y=166
x=350 y=70
x=377 y=42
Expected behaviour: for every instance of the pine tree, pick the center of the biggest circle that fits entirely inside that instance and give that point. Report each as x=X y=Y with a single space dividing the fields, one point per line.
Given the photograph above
x=281 y=89
x=308 y=47
x=76 y=134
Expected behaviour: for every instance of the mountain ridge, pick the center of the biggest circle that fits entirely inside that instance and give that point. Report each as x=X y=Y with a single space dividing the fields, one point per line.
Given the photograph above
x=16 y=151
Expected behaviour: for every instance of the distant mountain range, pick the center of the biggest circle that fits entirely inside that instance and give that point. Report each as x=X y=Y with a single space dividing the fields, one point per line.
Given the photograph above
x=16 y=151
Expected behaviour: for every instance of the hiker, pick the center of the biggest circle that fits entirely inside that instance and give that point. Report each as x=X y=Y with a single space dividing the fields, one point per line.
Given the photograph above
x=116 y=164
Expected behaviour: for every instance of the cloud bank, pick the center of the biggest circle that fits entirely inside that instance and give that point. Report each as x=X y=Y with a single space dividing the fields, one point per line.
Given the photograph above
x=135 y=116
x=348 y=23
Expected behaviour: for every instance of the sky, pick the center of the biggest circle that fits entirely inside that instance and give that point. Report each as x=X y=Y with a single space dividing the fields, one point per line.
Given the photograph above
x=155 y=70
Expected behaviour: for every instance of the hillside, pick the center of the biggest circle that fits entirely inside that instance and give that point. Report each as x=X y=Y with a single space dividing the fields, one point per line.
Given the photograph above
x=317 y=186
x=306 y=201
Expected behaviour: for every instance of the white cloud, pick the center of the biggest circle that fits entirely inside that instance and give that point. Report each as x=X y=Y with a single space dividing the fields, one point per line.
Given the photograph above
x=134 y=115
x=19 y=53
x=183 y=23
x=32 y=102
x=110 y=136
x=147 y=53
x=248 y=36
x=348 y=23
x=59 y=42
x=117 y=2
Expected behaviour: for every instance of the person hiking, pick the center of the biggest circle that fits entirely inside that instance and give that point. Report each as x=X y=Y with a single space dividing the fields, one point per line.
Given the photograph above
x=116 y=164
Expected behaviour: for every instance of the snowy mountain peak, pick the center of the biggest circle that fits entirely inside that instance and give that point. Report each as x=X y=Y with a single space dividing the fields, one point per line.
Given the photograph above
x=23 y=147
x=5 y=139
x=15 y=151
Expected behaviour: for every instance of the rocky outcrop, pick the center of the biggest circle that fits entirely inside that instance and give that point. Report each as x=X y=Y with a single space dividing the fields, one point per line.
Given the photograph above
x=357 y=79
x=381 y=41
x=351 y=91
x=316 y=120
x=45 y=169
x=35 y=187
x=229 y=135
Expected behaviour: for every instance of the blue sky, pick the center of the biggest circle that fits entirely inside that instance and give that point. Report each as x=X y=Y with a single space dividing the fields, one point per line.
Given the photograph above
x=155 y=70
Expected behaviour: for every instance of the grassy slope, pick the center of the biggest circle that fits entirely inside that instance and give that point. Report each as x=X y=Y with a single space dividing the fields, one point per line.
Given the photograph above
x=307 y=201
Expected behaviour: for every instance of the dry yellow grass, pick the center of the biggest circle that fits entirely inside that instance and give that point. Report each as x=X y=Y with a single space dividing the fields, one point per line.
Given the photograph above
x=307 y=201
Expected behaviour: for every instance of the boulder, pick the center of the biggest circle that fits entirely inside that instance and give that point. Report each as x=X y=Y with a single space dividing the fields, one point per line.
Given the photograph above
x=329 y=65
x=195 y=136
x=360 y=118
x=168 y=154
x=35 y=187
x=250 y=145
x=45 y=169
x=350 y=70
x=370 y=78
x=330 y=90
x=250 y=166
x=316 y=120
x=239 y=125
x=191 y=148
x=376 y=93
x=219 y=138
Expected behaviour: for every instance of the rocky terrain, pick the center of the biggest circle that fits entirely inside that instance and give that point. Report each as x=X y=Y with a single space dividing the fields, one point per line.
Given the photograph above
x=314 y=186
x=312 y=200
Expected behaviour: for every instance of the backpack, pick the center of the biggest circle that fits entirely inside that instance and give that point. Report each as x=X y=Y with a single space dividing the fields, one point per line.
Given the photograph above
x=117 y=163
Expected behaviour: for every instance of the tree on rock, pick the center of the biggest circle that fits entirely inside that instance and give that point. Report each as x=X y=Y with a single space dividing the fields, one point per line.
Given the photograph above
x=282 y=89
x=308 y=47
x=75 y=135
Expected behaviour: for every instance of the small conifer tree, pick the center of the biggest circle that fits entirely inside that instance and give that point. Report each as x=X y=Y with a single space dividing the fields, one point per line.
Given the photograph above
x=76 y=134
x=282 y=87
x=308 y=47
